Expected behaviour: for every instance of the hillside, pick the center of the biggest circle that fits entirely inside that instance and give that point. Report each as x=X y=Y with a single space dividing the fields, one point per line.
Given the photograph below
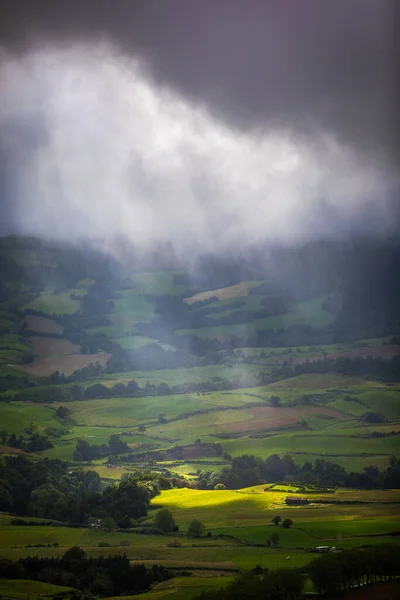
x=229 y=397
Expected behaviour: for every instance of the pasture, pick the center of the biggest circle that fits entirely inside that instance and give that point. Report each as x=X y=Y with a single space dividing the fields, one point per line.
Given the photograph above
x=305 y=313
x=20 y=589
x=330 y=426
x=235 y=522
x=227 y=293
x=55 y=303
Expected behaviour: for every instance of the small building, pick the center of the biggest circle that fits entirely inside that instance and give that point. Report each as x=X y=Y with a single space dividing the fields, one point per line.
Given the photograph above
x=323 y=548
x=293 y=501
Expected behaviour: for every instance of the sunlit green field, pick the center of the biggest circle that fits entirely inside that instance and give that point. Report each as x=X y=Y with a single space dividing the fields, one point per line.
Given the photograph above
x=235 y=520
x=253 y=506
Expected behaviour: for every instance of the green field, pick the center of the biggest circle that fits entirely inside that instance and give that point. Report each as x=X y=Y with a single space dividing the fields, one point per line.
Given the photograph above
x=306 y=313
x=242 y=421
x=350 y=420
x=235 y=520
x=20 y=589
x=55 y=304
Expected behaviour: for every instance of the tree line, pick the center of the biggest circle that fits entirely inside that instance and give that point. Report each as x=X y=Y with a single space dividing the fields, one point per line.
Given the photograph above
x=60 y=392
x=249 y=470
x=104 y=575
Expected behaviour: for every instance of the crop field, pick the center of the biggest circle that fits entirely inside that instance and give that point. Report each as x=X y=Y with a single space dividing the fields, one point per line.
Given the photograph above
x=67 y=363
x=42 y=325
x=45 y=346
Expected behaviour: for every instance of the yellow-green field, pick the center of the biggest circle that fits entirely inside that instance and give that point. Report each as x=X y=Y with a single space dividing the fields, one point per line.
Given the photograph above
x=235 y=521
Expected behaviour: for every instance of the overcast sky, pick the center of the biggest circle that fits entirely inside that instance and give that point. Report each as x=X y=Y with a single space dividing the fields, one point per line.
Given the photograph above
x=205 y=124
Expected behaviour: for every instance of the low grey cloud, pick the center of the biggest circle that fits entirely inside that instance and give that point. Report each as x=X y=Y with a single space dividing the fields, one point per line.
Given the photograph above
x=200 y=124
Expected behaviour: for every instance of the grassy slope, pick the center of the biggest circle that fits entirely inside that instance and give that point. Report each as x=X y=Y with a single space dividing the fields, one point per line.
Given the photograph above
x=306 y=313
x=20 y=589
x=245 y=514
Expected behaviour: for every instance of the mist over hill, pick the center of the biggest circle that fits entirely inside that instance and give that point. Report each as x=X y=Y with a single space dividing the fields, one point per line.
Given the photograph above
x=358 y=278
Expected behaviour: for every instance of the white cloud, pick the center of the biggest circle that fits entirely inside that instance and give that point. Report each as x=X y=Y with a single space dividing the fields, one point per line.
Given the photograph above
x=125 y=157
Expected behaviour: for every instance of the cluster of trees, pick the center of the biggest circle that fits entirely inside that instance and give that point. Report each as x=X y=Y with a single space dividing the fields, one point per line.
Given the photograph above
x=248 y=470
x=36 y=442
x=337 y=572
x=86 y=452
x=286 y=523
x=47 y=489
x=108 y=575
x=44 y=488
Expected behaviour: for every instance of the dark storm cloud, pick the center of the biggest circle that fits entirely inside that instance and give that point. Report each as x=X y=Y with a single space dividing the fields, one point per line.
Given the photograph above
x=296 y=63
x=212 y=121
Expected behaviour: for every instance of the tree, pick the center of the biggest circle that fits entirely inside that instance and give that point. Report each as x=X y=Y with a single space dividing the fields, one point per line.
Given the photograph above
x=161 y=419
x=142 y=428
x=116 y=445
x=62 y=412
x=108 y=523
x=164 y=520
x=196 y=528
x=74 y=554
x=275 y=401
x=220 y=486
x=47 y=501
x=286 y=523
x=276 y=520
x=275 y=538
